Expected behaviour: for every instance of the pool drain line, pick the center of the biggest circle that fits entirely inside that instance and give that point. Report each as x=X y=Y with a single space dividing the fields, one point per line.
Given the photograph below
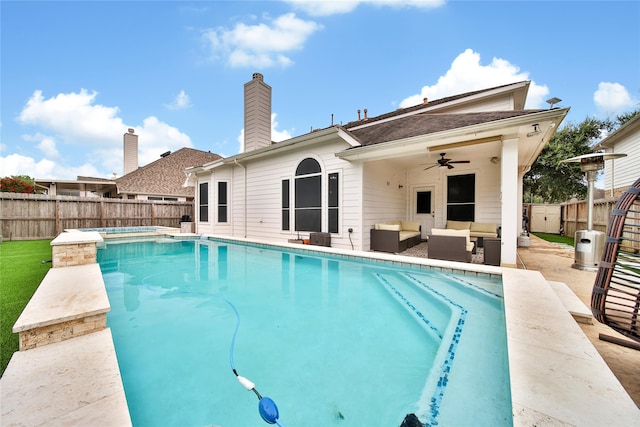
x=266 y=407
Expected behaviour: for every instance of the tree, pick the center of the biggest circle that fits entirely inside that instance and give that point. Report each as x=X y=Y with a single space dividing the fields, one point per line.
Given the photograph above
x=551 y=181
x=624 y=118
x=17 y=184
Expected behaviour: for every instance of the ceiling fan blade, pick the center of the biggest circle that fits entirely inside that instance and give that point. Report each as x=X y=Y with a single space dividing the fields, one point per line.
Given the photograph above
x=461 y=161
x=449 y=166
x=432 y=166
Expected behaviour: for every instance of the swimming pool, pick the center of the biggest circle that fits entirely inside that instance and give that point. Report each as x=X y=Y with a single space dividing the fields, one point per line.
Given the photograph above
x=125 y=230
x=333 y=341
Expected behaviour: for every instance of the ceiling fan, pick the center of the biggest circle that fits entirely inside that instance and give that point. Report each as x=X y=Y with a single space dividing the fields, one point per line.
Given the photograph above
x=446 y=162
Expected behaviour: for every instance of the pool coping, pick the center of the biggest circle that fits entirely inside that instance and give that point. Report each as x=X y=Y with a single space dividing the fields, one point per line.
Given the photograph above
x=557 y=376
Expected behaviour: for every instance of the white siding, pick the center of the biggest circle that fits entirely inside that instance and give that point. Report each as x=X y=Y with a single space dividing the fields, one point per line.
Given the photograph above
x=263 y=196
x=369 y=193
x=503 y=103
x=383 y=200
x=624 y=170
x=236 y=198
x=488 y=206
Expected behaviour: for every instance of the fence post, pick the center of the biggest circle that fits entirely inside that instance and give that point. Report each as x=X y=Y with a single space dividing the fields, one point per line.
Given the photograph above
x=58 y=222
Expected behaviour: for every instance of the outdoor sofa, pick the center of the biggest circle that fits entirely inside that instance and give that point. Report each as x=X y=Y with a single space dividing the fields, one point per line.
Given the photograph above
x=450 y=245
x=395 y=236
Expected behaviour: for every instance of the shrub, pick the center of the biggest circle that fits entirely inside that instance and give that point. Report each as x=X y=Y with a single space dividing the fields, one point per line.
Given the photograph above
x=17 y=184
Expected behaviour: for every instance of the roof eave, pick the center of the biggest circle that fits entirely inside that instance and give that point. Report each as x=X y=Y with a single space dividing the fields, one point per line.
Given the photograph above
x=489 y=131
x=277 y=148
x=622 y=132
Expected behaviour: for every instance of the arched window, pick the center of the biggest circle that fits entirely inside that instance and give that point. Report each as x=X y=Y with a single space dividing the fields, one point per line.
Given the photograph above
x=308 y=196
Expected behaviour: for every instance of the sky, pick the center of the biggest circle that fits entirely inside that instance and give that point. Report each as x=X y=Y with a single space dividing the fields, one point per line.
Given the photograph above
x=75 y=75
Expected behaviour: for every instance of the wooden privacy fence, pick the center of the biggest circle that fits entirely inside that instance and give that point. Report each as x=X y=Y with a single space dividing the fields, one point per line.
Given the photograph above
x=38 y=216
x=575 y=215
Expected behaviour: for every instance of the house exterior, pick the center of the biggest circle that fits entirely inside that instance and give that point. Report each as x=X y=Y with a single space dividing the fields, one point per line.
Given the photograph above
x=83 y=186
x=620 y=174
x=343 y=179
x=161 y=179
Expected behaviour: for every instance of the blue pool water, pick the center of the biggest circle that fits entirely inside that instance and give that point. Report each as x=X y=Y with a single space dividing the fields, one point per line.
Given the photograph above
x=333 y=341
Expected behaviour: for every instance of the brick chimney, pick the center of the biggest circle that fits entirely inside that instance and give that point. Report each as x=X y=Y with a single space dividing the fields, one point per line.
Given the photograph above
x=257 y=114
x=130 y=151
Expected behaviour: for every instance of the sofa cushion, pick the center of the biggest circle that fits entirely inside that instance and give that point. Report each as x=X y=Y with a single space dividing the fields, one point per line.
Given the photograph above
x=388 y=227
x=410 y=225
x=404 y=234
x=484 y=227
x=458 y=225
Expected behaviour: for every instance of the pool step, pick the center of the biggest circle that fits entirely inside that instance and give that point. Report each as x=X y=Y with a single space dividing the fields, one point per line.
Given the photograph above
x=426 y=307
x=574 y=305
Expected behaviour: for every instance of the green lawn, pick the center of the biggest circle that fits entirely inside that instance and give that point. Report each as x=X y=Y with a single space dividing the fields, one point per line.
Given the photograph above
x=21 y=271
x=555 y=238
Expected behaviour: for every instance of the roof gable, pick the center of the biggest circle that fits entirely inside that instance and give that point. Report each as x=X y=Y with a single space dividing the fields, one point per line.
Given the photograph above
x=519 y=91
x=620 y=134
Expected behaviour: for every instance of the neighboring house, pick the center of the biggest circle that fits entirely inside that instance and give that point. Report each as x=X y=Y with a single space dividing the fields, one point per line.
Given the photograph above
x=161 y=179
x=345 y=178
x=84 y=186
x=620 y=174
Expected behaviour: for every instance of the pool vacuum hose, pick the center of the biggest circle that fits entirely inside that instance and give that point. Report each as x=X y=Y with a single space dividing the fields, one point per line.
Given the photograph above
x=266 y=406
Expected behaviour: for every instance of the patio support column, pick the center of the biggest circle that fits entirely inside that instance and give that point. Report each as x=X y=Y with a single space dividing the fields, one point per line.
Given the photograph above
x=509 y=197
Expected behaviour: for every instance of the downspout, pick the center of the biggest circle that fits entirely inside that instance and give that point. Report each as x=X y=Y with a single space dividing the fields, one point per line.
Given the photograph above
x=611 y=175
x=244 y=196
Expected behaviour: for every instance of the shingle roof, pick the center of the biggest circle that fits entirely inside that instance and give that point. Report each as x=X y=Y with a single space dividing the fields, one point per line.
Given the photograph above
x=165 y=176
x=418 y=107
x=425 y=123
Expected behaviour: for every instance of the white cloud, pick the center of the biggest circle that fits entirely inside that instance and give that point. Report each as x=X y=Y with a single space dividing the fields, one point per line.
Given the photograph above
x=73 y=116
x=276 y=135
x=180 y=102
x=468 y=74
x=16 y=164
x=95 y=132
x=260 y=45
x=333 y=7
x=613 y=98
x=48 y=148
x=156 y=137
